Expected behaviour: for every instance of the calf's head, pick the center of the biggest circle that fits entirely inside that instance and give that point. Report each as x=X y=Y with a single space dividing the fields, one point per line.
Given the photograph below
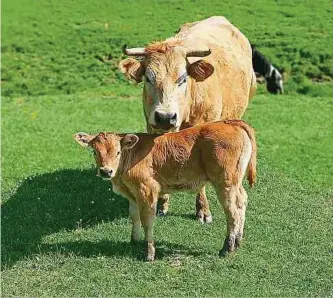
x=107 y=148
x=167 y=74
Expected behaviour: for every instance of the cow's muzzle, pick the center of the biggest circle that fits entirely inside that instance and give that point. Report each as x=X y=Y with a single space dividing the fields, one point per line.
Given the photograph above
x=165 y=121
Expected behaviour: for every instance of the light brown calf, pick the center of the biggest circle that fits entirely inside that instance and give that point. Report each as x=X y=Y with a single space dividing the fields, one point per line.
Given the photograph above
x=144 y=166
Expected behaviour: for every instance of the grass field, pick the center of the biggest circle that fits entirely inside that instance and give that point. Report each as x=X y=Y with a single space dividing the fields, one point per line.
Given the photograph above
x=63 y=231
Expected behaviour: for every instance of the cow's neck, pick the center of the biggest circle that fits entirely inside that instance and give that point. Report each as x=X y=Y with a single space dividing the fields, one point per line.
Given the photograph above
x=201 y=108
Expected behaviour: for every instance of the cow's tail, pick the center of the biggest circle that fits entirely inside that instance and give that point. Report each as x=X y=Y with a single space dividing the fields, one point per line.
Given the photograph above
x=252 y=165
x=253 y=87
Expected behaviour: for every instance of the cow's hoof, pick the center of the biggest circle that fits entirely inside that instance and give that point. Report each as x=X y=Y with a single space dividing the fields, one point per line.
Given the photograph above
x=200 y=216
x=208 y=219
x=161 y=212
x=150 y=258
x=204 y=219
x=201 y=220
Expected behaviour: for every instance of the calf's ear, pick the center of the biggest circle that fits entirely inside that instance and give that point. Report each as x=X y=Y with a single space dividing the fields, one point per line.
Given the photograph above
x=132 y=69
x=128 y=141
x=200 y=70
x=83 y=138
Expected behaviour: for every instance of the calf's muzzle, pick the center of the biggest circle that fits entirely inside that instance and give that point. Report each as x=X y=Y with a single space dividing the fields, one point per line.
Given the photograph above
x=105 y=173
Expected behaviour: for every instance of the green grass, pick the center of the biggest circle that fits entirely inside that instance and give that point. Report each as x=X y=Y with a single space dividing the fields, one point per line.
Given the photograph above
x=65 y=47
x=65 y=233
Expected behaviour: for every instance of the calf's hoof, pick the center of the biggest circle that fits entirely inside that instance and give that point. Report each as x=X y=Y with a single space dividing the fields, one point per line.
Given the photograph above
x=238 y=240
x=150 y=253
x=228 y=246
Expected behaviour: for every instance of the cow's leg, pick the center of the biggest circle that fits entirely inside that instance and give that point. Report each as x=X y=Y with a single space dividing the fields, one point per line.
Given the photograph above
x=241 y=204
x=147 y=216
x=228 y=199
x=202 y=207
x=163 y=205
x=163 y=200
x=136 y=224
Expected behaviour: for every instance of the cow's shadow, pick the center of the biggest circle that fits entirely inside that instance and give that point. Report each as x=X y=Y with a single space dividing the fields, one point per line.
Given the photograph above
x=49 y=203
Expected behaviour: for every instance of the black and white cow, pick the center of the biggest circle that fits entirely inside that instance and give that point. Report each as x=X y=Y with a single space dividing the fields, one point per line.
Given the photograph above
x=263 y=67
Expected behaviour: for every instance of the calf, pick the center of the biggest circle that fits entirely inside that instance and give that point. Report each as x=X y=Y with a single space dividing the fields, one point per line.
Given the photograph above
x=144 y=166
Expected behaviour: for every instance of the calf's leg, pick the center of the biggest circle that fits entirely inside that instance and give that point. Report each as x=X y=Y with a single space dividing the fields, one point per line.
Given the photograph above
x=136 y=224
x=147 y=216
x=202 y=207
x=241 y=204
x=228 y=199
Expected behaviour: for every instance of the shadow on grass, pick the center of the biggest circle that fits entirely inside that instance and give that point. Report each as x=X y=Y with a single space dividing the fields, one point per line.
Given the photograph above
x=125 y=249
x=45 y=204
x=189 y=216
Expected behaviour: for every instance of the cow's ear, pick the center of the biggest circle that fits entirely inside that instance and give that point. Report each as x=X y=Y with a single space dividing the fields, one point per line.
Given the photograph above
x=200 y=70
x=83 y=138
x=128 y=141
x=132 y=69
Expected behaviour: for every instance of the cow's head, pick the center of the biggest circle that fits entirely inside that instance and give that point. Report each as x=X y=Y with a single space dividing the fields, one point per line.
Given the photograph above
x=107 y=148
x=167 y=74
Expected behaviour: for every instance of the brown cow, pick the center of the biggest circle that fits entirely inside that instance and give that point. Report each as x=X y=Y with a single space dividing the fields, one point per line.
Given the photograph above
x=182 y=90
x=144 y=166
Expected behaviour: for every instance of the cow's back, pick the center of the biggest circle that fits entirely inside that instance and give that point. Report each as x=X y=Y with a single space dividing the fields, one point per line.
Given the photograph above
x=233 y=78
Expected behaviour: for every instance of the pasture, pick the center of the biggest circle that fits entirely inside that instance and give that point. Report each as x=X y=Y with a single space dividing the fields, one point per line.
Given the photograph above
x=65 y=233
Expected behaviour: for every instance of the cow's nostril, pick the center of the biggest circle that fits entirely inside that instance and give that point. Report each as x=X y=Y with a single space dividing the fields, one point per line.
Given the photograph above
x=166 y=120
x=158 y=117
x=110 y=173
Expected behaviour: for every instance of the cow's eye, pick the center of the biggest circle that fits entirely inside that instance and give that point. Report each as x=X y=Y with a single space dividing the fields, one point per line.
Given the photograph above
x=182 y=80
x=118 y=153
x=147 y=80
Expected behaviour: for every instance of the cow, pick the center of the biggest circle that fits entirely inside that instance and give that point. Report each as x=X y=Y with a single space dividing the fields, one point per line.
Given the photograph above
x=142 y=167
x=262 y=67
x=203 y=73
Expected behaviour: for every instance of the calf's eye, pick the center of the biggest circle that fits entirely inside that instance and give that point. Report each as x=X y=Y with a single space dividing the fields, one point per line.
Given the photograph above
x=118 y=153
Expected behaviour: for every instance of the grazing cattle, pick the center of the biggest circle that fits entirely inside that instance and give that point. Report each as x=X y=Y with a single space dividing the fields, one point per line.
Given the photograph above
x=182 y=90
x=144 y=166
x=264 y=68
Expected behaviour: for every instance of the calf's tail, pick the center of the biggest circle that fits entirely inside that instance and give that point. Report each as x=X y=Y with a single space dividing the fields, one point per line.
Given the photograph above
x=252 y=165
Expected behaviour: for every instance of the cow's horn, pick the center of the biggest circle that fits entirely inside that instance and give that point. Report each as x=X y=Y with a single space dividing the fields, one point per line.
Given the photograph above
x=134 y=51
x=202 y=53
